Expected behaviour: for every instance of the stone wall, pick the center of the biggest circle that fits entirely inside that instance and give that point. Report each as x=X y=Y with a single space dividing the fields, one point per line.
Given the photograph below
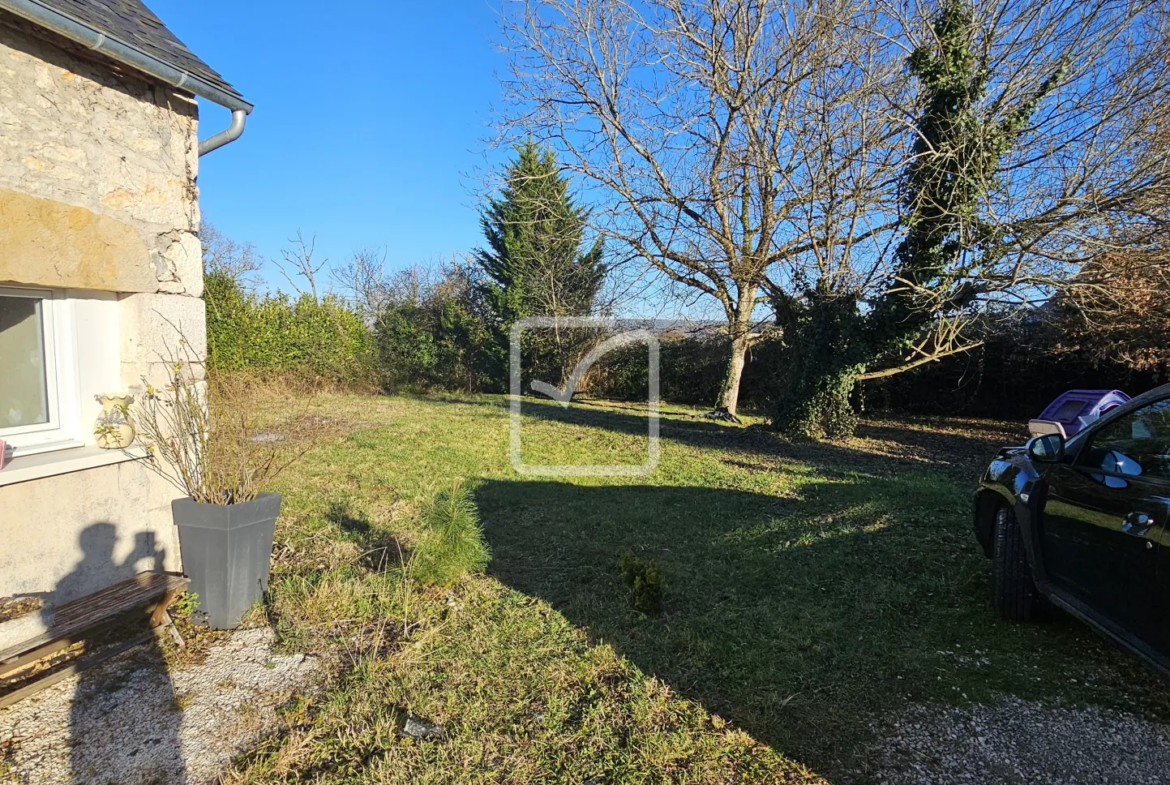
x=97 y=173
x=97 y=193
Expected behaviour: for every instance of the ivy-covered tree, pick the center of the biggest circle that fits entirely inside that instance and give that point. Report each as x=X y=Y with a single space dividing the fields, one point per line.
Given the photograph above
x=1025 y=152
x=952 y=165
x=536 y=262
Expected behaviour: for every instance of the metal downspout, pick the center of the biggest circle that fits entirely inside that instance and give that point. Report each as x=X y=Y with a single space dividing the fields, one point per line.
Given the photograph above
x=227 y=135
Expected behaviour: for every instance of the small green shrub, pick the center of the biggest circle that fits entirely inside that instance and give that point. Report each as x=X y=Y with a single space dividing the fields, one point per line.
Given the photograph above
x=644 y=582
x=451 y=544
x=187 y=604
x=431 y=333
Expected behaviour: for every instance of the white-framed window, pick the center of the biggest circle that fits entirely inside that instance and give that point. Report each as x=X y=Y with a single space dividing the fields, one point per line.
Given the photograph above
x=38 y=393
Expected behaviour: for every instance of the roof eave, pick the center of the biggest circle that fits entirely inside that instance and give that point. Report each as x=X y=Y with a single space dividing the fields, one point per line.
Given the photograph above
x=92 y=38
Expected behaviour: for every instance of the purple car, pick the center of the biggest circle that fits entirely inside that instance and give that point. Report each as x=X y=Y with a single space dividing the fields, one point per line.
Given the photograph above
x=1074 y=410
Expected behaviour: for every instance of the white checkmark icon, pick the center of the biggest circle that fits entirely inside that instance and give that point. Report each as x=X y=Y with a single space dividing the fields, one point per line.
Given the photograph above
x=565 y=396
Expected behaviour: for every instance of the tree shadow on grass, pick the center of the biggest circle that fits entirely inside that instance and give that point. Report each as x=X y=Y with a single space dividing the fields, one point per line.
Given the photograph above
x=799 y=620
x=880 y=447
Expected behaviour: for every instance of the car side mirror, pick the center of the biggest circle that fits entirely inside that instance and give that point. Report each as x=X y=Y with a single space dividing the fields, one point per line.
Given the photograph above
x=1048 y=448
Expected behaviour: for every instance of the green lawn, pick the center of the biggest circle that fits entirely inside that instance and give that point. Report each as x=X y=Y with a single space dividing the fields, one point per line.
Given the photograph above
x=813 y=592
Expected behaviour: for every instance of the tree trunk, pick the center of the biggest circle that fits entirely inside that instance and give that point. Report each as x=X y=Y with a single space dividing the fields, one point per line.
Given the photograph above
x=729 y=395
x=817 y=405
x=740 y=327
x=827 y=352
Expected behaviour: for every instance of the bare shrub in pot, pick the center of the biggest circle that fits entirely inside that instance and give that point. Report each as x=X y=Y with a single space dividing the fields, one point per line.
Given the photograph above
x=204 y=439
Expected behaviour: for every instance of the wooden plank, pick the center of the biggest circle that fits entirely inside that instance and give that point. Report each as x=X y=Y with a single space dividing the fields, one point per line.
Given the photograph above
x=122 y=596
x=41 y=652
x=81 y=615
x=87 y=661
x=44 y=652
x=158 y=614
x=165 y=622
x=83 y=618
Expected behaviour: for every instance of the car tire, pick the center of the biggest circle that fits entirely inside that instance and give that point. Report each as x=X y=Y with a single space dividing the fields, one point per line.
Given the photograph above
x=1015 y=594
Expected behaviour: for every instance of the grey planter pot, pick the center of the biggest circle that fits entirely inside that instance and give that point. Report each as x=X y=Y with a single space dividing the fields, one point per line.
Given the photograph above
x=226 y=551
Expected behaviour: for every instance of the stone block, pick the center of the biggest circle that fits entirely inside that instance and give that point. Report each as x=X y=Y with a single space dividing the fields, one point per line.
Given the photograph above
x=48 y=243
x=76 y=132
x=179 y=268
x=154 y=325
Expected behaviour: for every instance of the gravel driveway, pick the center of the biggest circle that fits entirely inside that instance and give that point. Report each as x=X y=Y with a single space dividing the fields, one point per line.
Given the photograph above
x=130 y=722
x=1015 y=741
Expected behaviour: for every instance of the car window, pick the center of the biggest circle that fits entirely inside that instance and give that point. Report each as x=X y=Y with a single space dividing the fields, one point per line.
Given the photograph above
x=1068 y=410
x=1137 y=444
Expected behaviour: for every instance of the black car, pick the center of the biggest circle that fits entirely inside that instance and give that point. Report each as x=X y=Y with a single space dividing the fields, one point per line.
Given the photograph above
x=1084 y=524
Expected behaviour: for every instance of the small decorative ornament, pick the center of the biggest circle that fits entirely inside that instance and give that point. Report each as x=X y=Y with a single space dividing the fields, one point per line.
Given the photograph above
x=113 y=429
x=3 y=453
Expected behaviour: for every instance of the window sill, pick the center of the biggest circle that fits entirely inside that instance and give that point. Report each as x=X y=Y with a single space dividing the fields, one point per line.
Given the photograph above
x=37 y=449
x=50 y=464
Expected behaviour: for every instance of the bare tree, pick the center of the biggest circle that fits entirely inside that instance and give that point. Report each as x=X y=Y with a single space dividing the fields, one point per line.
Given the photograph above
x=706 y=127
x=749 y=147
x=413 y=285
x=224 y=256
x=1031 y=155
x=299 y=262
x=364 y=280
x=1122 y=312
x=1060 y=159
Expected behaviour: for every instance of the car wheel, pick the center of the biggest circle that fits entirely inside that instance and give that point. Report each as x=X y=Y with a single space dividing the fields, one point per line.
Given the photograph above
x=1015 y=594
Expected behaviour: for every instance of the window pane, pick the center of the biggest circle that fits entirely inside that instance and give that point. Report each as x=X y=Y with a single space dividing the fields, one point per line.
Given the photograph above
x=1136 y=445
x=1068 y=410
x=24 y=396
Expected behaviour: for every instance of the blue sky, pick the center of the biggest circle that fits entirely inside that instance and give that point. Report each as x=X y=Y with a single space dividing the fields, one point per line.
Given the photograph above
x=370 y=121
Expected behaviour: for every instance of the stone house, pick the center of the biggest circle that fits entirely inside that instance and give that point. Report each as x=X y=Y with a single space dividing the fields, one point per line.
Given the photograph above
x=100 y=269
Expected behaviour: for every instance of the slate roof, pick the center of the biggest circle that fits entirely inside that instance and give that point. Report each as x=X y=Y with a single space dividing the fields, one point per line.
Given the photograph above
x=132 y=23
